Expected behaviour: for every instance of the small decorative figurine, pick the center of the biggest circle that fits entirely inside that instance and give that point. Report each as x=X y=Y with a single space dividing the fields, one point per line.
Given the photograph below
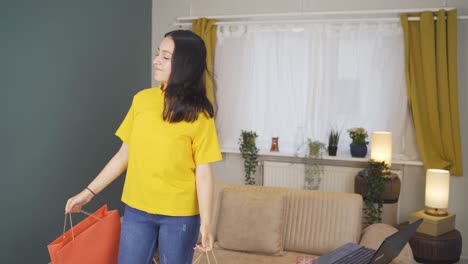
x=274 y=144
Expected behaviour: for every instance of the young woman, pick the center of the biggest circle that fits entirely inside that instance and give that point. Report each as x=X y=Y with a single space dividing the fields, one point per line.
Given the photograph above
x=169 y=140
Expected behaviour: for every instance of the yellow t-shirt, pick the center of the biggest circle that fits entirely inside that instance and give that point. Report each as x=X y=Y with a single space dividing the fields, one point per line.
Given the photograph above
x=162 y=156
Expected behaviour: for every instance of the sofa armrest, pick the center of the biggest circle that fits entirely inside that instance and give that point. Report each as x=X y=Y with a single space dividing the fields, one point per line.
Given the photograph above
x=374 y=235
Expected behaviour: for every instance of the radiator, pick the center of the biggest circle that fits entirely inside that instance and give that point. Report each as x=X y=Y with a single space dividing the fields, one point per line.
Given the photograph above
x=291 y=175
x=282 y=174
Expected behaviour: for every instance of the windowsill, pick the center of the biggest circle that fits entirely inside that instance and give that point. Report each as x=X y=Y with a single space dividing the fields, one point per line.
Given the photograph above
x=346 y=157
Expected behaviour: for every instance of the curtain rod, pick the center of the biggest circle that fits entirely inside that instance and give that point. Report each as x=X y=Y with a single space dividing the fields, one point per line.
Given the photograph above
x=304 y=21
x=318 y=13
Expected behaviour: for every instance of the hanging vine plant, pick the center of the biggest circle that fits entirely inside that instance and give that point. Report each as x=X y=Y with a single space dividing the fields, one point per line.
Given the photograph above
x=249 y=153
x=312 y=168
x=375 y=187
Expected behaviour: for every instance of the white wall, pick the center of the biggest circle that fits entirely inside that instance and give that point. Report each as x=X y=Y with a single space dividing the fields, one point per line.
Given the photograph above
x=231 y=170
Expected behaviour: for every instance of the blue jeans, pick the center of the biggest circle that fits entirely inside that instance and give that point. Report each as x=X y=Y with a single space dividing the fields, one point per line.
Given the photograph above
x=142 y=233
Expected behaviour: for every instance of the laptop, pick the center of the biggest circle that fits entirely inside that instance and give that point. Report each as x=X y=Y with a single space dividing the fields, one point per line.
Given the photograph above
x=390 y=248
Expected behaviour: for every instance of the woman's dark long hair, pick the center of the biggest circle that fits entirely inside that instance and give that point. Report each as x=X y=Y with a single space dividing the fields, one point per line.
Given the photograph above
x=185 y=95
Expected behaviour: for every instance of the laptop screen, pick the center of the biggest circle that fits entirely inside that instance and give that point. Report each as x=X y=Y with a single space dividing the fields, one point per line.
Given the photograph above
x=394 y=244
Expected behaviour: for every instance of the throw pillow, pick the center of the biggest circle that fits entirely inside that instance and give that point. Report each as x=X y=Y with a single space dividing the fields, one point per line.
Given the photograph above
x=252 y=221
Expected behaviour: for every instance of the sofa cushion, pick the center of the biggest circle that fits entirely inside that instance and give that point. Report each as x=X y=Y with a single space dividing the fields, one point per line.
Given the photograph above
x=251 y=221
x=315 y=222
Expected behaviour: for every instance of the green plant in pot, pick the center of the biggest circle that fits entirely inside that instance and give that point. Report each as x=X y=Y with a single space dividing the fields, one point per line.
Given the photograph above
x=369 y=182
x=358 y=145
x=372 y=190
x=312 y=168
x=333 y=139
x=249 y=152
x=315 y=147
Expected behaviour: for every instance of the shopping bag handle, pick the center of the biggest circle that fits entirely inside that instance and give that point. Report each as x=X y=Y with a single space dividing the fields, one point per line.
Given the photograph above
x=207 y=257
x=71 y=223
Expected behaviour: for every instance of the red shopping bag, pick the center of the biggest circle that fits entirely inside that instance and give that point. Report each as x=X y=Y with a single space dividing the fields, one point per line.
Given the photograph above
x=95 y=240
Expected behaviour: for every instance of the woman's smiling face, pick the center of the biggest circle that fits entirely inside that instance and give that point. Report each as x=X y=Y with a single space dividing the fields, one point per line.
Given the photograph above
x=163 y=60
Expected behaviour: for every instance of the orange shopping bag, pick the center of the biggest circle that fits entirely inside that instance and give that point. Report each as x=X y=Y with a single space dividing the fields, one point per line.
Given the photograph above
x=95 y=240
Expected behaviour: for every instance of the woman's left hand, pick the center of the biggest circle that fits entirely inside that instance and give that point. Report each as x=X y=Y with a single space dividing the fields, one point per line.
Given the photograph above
x=207 y=239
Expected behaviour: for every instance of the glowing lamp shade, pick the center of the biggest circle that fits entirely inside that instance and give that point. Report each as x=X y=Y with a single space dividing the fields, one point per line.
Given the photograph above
x=381 y=147
x=437 y=188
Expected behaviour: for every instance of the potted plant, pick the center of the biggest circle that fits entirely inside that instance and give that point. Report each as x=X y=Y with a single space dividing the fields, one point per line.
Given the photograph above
x=333 y=139
x=313 y=170
x=358 y=145
x=315 y=147
x=378 y=186
x=372 y=187
x=249 y=152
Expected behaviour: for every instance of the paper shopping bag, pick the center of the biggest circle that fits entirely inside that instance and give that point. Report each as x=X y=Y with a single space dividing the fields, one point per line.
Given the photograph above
x=95 y=240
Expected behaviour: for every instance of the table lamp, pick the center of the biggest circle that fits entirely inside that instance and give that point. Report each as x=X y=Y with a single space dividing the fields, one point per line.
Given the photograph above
x=437 y=220
x=437 y=192
x=381 y=147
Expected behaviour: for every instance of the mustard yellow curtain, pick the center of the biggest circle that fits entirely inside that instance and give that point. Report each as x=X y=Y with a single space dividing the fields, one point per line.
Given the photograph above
x=431 y=80
x=206 y=29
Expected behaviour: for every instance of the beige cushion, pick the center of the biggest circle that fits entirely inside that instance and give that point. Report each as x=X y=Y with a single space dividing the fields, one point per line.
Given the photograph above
x=251 y=221
x=315 y=222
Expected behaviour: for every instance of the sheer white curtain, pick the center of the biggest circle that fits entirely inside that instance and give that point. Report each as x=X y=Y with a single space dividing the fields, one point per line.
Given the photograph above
x=296 y=82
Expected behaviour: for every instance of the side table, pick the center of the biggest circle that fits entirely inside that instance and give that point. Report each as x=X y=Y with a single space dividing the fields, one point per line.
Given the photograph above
x=443 y=249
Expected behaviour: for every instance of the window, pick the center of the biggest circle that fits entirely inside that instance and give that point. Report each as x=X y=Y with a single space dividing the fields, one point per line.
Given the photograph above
x=297 y=82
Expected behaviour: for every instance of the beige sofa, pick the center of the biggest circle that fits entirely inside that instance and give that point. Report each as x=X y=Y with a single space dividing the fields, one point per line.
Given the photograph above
x=256 y=224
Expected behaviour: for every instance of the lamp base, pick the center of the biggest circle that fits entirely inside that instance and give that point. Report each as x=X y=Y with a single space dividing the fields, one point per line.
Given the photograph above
x=433 y=225
x=435 y=212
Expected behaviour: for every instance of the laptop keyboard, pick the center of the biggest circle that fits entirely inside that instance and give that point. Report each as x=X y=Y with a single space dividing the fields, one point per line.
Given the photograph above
x=361 y=256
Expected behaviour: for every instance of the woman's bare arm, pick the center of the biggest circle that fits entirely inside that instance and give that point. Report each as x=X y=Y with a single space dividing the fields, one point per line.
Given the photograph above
x=205 y=190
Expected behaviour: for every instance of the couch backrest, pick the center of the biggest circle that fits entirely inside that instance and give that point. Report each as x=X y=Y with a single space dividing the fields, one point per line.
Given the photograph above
x=316 y=222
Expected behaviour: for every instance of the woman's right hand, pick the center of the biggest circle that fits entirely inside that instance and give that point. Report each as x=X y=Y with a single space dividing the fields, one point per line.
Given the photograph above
x=75 y=203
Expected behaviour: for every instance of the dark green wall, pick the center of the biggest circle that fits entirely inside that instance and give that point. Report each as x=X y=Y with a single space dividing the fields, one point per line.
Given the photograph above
x=69 y=70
